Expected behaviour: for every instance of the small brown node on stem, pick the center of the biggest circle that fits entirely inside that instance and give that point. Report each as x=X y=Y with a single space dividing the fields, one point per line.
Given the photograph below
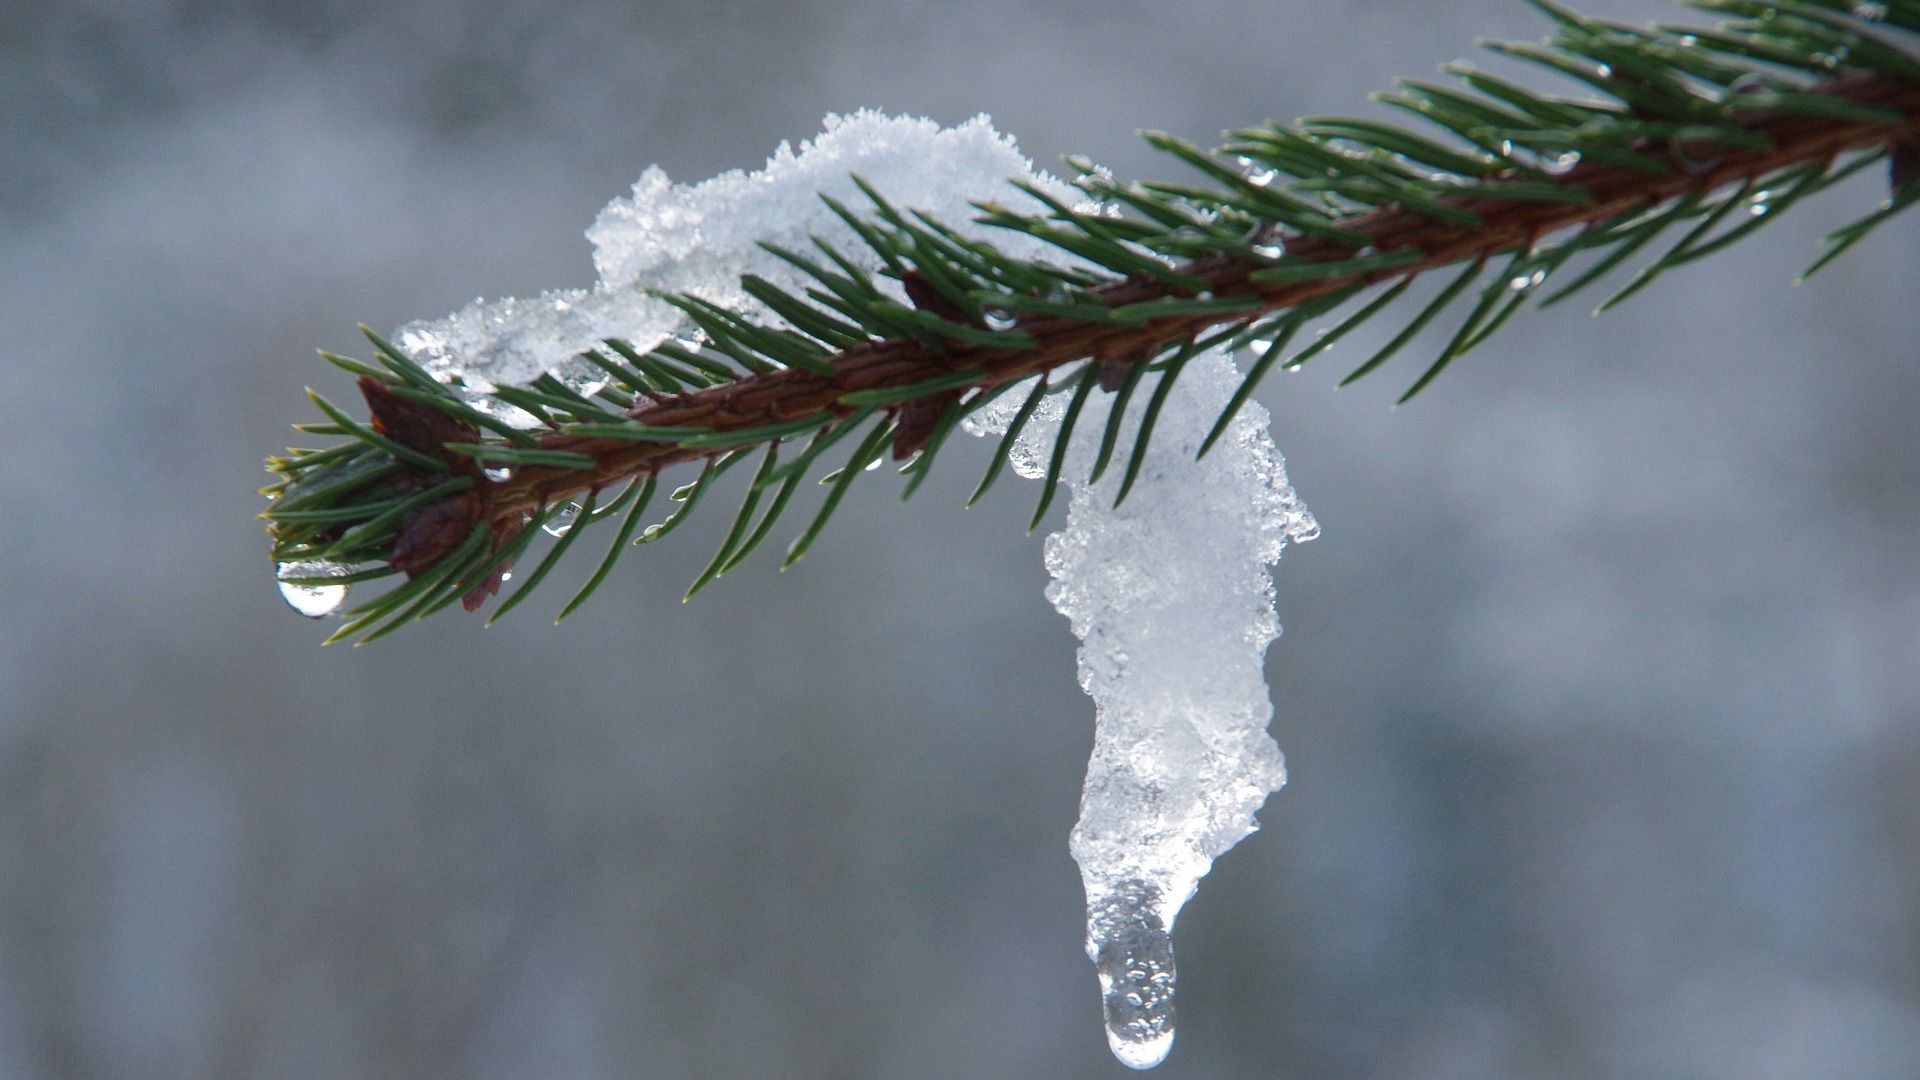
x=491 y=586
x=931 y=300
x=915 y=423
x=417 y=425
x=1115 y=370
x=432 y=532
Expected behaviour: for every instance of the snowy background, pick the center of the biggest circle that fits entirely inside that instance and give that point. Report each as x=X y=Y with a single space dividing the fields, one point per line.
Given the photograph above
x=1600 y=694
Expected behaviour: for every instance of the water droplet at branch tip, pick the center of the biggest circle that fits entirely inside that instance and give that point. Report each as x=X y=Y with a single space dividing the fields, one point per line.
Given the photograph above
x=315 y=600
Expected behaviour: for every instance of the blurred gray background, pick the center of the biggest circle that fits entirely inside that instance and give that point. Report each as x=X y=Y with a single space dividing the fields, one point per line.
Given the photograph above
x=1599 y=694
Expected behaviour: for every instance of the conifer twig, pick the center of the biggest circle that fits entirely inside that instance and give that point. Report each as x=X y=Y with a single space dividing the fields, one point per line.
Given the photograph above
x=1692 y=125
x=1504 y=225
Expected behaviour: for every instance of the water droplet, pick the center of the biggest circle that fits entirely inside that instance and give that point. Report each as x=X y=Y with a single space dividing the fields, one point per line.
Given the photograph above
x=1132 y=952
x=1526 y=283
x=561 y=523
x=875 y=463
x=1528 y=157
x=1269 y=251
x=1871 y=12
x=1696 y=156
x=1605 y=71
x=499 y=474
x=1759 y=203
x=1261 y=177
x=312 y=599
x=998 y=319
x=1558 y=164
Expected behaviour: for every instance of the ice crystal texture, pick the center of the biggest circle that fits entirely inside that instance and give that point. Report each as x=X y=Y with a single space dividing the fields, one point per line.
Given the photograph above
x=1169 y=594
x=700 y=238
x=1171 y=598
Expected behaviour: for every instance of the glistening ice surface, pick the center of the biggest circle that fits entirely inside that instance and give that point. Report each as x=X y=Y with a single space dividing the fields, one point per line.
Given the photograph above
x=1172 y=601
x=1170 y=594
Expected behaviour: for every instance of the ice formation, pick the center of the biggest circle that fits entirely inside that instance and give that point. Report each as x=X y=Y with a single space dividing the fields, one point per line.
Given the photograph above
x=1172 y=601
x=1169 y=594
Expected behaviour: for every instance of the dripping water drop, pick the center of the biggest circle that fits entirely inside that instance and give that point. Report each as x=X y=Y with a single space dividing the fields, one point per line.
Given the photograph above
x=314 y=599
x=1759 y=203
x=1526 y=283
x=561 y=523
x=998 y=319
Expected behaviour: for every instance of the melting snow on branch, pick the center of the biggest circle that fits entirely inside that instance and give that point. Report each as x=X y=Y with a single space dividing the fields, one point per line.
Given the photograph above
x=1169 y=594
x=700 y=238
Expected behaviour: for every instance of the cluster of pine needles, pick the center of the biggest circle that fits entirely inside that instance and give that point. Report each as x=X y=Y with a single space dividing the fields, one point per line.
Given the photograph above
x=1689 y=138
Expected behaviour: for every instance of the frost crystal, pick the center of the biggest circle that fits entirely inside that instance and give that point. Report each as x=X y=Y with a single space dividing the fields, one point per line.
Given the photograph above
x=1169 y=594
x=1173 y=604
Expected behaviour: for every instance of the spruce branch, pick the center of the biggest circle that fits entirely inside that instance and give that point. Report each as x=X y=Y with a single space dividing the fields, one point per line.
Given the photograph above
x=1709 y=134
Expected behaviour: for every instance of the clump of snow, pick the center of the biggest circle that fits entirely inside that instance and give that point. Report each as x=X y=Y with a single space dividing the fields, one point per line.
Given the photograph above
x=1169 y=594
x=1171 y=598
x=700 y=238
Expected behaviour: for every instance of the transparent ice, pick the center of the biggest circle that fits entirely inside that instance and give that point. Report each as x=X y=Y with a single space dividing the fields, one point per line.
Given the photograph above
x=1172 y=600
x=1169 y=594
